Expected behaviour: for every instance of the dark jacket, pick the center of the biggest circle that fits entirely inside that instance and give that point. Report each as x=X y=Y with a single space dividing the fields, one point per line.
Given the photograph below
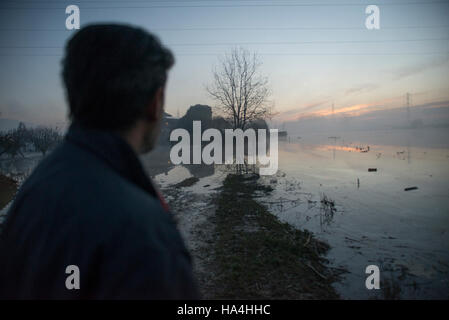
x=90 y=204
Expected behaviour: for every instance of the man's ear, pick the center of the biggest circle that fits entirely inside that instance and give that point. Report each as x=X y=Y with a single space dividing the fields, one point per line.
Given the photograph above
x=155 y=107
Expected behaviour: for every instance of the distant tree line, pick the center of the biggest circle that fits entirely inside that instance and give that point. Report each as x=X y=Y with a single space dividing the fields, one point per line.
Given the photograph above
x=16 y=142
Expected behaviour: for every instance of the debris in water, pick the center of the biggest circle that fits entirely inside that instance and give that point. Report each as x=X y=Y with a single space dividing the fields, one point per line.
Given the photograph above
x=410 y=188
x=362 y=149
x=372 y=169
x=365 y=150
x=327 y=210
x=187 y=182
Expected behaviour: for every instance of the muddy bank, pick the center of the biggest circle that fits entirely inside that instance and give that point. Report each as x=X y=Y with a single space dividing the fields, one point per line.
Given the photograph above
x=8 y=188
x=242 y=251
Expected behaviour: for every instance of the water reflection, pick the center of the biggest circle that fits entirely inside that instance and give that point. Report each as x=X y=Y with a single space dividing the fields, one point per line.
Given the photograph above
x=375 y=221
x=158 y=163
x=324 y=185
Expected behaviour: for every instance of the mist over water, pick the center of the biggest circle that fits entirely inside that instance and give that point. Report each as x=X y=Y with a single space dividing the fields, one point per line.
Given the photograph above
x=405 y=233
x=373 y=220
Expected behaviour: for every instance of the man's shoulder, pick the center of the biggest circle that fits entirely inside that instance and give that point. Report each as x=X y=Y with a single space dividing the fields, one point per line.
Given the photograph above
x=64 y=166
x=78 y=183
x=73 y=168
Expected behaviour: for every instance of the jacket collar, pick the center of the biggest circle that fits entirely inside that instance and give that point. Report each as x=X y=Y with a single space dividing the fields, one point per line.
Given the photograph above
x=112 y=149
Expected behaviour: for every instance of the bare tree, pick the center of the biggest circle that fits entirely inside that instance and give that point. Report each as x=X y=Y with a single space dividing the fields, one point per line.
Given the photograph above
x=9 y=144
x=239 y=89
x=44 y=138
x=14 y=141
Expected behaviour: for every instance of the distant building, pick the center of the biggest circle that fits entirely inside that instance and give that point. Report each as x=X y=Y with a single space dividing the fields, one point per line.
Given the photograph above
x=203 y=113
x=168 y=124
x=221 y=124
x=197 y=112
x=258 y=124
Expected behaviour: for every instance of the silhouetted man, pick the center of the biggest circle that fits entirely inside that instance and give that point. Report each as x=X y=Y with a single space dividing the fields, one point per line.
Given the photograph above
x=89 y=204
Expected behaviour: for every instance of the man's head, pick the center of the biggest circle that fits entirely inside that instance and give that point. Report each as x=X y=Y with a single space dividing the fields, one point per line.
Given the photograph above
x=115 y=79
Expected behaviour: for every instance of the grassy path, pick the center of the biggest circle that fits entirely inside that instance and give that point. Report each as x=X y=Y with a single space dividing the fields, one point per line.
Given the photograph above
x=255 y=256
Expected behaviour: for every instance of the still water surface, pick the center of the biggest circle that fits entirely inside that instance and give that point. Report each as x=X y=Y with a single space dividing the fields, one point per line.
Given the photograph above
x=375 y=221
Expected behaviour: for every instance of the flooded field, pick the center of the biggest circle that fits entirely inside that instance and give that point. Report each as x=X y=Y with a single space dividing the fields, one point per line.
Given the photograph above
x=368 y=217
x=324 y=185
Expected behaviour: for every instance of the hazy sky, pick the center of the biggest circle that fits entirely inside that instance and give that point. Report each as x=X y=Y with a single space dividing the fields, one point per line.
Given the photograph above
x=354 y=68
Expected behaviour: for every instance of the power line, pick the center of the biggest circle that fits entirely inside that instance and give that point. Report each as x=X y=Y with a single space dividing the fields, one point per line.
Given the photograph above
x=257 y=43
x=262 y=54
x=304 y=42
x=187 y=1
x=236 y=5
x=361 y=28
x=294 y=28
x=407 y=98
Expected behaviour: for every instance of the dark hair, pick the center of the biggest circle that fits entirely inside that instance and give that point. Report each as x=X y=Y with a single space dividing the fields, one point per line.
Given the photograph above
x=111 y=72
